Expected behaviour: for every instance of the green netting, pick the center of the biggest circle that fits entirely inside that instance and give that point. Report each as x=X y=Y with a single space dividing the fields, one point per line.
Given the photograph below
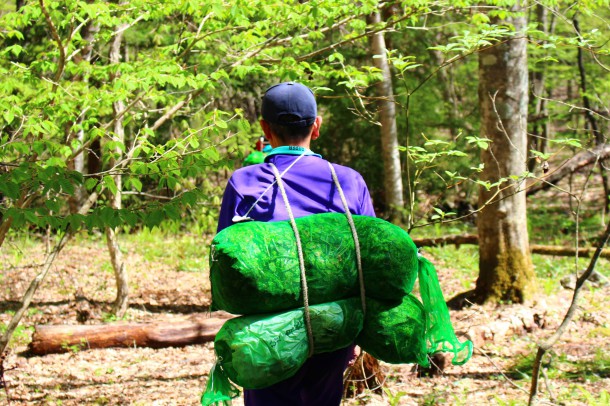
x=255 y=157
x=254 y=269
x=219 y=389
x=254 y=266
x=395 y=333
x=440 y=334
x=260 y=350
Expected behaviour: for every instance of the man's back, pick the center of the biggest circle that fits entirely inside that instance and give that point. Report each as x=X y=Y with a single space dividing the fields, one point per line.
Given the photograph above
x=290 y=122
x=309 y=187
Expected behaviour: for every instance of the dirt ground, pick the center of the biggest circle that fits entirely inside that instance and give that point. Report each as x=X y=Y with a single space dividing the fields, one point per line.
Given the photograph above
x=80 y=288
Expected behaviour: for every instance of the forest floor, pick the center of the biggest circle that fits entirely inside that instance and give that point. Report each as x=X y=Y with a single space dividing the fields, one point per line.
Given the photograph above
x=168 y=283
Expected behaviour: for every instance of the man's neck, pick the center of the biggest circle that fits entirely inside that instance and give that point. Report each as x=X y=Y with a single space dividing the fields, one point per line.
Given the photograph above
x=292 y=150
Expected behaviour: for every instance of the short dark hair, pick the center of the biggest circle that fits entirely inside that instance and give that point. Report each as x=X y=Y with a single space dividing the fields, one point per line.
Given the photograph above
x=288 y=133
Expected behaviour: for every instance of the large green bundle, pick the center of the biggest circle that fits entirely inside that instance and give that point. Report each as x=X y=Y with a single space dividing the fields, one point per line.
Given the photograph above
x=260 y=350
x=254 y=266
x=255 y=269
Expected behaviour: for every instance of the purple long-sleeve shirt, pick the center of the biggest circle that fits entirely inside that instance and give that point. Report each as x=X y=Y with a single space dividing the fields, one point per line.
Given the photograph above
x=310 y=189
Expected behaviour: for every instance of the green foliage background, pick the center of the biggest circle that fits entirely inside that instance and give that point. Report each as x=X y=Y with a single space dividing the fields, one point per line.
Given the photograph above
x=191 y=74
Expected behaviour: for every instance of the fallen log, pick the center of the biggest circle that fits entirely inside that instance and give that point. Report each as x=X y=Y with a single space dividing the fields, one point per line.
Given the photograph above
x=65 y=338
x=472 y=239
x=466 y=239
x=567 y=251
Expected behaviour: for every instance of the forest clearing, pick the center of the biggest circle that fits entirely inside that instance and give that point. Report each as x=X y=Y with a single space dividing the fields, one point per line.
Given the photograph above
x=169 y=282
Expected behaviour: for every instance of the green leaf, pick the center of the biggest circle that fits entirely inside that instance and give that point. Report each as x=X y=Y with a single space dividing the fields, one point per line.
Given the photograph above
x=572 y=142
x=172 y=212
x=8 y=116
x=66 y=186
x=53 y=205
x=194 y=142
x=154 y=218
x=91 y=183
x=10 y=189
x=109 y=183
x=30 y=216
x=17 y=216
x=136 y=183
x=221 y=124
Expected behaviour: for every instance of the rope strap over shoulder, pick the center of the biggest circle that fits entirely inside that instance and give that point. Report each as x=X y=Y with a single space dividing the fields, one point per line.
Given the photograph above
x=352 y=226
x=304 y=289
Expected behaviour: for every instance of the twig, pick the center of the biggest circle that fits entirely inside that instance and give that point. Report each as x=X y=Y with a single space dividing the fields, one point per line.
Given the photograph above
x=501 y=124
x=62 y=51
x=548 y=344
x=35 y=283
x=548 y=385
x=500 y=370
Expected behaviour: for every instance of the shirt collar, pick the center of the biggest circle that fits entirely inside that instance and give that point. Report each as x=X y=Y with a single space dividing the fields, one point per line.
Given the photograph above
x=292 y=150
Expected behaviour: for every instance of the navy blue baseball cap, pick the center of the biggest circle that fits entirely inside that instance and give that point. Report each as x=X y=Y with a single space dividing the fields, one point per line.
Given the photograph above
x=290 y=100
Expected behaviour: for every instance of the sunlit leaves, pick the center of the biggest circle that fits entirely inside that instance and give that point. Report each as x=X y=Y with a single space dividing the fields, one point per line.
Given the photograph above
x=479 y=142
x=470 y=41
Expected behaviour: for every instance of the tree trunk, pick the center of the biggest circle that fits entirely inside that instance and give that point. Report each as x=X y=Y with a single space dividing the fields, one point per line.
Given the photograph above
x=393 y=189
x=63 y=338
x=79 y=163
x=505 y=266
x=35 y=283
x=120 y=272
x=540 y=128
x=590 y=119
x=450 y=97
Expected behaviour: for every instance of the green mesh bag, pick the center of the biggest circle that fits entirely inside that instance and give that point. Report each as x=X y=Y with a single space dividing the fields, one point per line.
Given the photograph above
x=260 y=350
x=440 y=335
x=254 y=269
x=219 y=390
x=254 y=266
x=395 y=333
x=255 y=157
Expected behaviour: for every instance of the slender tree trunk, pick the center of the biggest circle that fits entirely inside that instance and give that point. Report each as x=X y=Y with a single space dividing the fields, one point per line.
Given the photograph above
x=540 y=128
x=448 y=88
x=505 y=266
x=389 y=135
x=35 y=283
x=116 y=257
x=79 y=163
x=29 y=294
x=590 y=119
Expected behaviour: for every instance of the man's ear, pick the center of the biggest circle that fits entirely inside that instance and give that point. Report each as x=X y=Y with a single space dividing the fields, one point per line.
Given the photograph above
x=315 y=133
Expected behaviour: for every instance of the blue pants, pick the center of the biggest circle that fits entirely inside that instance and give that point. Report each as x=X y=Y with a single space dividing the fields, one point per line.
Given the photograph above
x=319 y=382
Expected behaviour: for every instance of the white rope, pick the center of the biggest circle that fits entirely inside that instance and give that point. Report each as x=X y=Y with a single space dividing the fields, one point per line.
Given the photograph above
x=301 y=259
x=245 y=216
x=352 y=226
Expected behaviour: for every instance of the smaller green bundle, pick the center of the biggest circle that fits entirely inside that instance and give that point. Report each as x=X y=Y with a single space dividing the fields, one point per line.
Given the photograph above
x=260 y=350
x=395 y=333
